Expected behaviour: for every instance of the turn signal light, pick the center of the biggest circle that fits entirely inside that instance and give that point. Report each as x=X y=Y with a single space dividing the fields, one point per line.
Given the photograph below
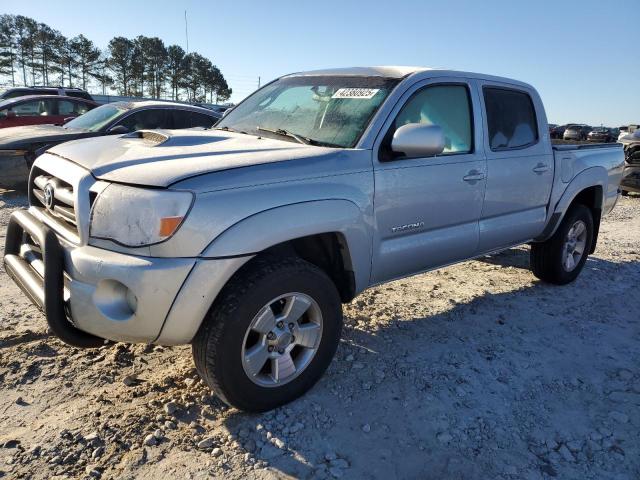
x=168 y=225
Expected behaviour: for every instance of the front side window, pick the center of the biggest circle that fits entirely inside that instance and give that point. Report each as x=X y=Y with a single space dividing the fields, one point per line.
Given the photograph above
x=447 y=106
x=511 y=119
x=147 y=120
x=34 y=108
x=322 y=110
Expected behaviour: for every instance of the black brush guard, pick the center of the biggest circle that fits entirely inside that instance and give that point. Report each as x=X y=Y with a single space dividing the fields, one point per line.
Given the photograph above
x=48 y=292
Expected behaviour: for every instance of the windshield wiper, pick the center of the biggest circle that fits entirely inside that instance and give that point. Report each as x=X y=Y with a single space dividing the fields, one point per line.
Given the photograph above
x=285 y=133
x=227 y=129
x=299 y=138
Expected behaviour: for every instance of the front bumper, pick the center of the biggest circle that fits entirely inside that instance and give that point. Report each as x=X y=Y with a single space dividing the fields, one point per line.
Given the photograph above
x=631 y=179
x=89 y=294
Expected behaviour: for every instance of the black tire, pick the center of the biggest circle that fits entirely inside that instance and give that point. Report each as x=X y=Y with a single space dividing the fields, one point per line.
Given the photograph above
x=218 y=344
x=624 y=193
x=546 y=257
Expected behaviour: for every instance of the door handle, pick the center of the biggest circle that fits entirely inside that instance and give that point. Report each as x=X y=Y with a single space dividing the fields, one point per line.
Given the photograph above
x=541 y=168
x=473 y=176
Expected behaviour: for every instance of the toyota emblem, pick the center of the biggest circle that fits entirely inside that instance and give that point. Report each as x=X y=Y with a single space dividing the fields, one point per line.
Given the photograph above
x=48 y=195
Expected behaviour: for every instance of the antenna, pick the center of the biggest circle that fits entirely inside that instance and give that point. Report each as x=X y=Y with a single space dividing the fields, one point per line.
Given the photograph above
x=186 y=30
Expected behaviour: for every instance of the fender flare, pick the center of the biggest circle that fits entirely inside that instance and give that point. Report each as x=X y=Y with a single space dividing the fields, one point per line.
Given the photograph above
x=280 y=224
x=591 y=177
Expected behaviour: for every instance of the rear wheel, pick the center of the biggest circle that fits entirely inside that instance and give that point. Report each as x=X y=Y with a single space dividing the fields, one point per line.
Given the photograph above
x=270 y=335
x=560 y=259
x=624 y=193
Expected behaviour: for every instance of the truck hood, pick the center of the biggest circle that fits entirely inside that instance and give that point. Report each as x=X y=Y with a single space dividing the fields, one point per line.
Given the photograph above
x=160 y=158
x=23 y=137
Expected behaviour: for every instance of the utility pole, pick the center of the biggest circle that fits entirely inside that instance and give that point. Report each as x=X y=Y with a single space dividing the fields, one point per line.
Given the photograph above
x=186 y=30
x=258 y=82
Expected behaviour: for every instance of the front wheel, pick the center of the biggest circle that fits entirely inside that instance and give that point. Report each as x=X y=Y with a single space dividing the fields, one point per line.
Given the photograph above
x=270 y=335
x=560 y=259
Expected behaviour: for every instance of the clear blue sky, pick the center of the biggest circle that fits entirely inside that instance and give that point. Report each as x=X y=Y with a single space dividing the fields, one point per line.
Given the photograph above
x=583 y=56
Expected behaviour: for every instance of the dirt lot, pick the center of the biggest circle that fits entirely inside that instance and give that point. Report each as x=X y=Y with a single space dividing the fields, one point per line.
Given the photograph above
x=475 y=371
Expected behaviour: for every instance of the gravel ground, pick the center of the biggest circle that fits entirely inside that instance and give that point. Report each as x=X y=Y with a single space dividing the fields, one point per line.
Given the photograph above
x=474 y=371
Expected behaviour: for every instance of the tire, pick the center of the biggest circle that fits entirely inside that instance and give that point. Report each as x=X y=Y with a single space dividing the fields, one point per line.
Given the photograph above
x=624 y=193
x=548 y=259
x=221 y=345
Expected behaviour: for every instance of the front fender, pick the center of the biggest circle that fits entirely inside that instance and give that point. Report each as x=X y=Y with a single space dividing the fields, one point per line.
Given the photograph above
x=239 y=243
x=280 y=224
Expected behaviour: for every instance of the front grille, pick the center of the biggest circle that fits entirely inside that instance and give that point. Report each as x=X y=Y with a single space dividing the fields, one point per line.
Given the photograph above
x=56 y=199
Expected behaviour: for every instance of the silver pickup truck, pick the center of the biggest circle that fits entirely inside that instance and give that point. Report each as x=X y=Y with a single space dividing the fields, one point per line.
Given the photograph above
x=244 y=240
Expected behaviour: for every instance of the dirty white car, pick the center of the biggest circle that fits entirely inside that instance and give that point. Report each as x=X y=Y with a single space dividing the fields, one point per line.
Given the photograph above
x=245 y=239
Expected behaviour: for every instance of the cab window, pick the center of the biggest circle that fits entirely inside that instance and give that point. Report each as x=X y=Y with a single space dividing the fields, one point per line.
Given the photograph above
x=449 y=107
x=511 y=119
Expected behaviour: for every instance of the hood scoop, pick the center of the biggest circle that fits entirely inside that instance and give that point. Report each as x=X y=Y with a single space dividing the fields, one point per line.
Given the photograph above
x=151 y=137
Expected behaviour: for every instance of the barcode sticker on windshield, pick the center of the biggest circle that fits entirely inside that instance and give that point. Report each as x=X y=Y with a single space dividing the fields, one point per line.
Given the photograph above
x=365 y=93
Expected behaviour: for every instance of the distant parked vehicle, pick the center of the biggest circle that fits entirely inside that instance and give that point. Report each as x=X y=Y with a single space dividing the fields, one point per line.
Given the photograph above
x=219 y=109
x=558 y=131
x=602 y=135
x=576 y=132
x=42 y=109
x=627 y=129
x=624 y=130
x=631 y=176
x=20 y=146
x=43 y=90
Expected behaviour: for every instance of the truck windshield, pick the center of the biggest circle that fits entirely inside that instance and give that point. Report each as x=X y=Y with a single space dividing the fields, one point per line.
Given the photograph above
x=329 y=111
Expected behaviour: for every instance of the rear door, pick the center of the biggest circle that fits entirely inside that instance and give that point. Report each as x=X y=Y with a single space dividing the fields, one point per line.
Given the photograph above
x=427 y=209
x=519 y=166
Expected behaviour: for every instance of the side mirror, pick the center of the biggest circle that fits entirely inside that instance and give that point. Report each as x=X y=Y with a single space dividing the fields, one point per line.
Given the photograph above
x=11 y=114
x=226 y=112
x=418 y=140
x=118 y=130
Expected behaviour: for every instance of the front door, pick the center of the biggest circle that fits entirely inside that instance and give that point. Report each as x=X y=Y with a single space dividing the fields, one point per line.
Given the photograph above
x=427 y=209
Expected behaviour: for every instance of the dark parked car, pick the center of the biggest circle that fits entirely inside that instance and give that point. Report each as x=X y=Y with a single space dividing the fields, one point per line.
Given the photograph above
x=41 y=90
x=20 y=146
x=576 y=132
x=631 y=177
x=602 y=135
x=42 y=109
x=557 y=131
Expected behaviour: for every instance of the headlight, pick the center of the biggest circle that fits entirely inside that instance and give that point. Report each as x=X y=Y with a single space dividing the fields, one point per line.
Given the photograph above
x=138 y=216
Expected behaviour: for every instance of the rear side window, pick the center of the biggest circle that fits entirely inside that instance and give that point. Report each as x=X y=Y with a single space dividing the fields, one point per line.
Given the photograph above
x=511 y=119
x=68 y=107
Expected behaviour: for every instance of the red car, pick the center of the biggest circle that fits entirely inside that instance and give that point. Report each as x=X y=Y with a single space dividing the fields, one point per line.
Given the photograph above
x=42 y=109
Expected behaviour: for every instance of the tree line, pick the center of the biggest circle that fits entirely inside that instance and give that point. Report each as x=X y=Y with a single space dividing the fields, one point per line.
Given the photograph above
x=33 y=53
